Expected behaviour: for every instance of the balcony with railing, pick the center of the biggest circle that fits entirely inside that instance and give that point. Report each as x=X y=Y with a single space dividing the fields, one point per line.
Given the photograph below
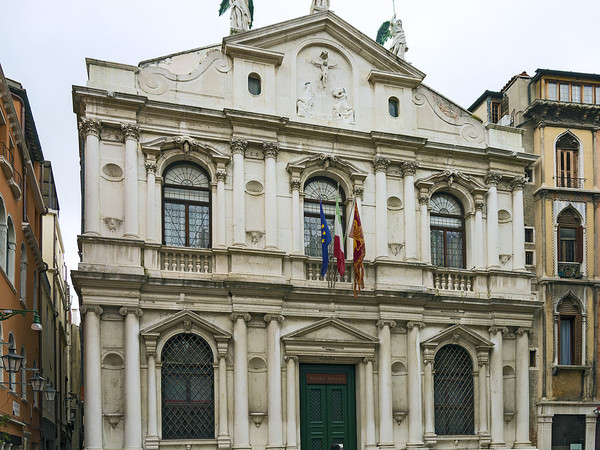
x=7 y=160
x=570 y=182
x=16 y=184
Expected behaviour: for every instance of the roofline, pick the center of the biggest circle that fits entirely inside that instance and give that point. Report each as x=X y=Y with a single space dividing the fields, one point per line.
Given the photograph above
x=564 y=73
x=17 y=89
x=485 y=94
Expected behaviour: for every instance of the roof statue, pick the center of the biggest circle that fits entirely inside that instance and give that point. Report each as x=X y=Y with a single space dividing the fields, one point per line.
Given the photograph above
x=319 y=5
x=399 y=46
x=242 y=14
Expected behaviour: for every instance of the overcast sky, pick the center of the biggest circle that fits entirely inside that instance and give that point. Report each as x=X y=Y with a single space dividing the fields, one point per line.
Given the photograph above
x=464 y=47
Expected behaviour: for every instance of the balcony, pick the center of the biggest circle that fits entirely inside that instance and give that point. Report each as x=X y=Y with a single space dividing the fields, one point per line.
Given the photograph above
x=186 y=260
x=16 y=184
x=7 y=160
x=570 y=182
x=453 y=280
x=312 y=272
x=569 y=270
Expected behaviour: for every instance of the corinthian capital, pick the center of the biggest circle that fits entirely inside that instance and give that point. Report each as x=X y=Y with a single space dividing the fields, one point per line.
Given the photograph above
x=380 y=164
x=150 y=166
x=238 y=146
x=221 y=175
x=409 y=168
x=518 y=183
x=130 y=131
x=89 y=127
x=270 y=149
x=493 y=178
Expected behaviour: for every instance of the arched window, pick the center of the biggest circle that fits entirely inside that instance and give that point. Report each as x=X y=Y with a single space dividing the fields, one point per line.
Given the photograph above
x=23 y=374
x=3 y=235
x=23 y=275
x=569 y=332
x=570 y=236
x=11 y=245
x=254 y=85
x=186 y=206
x=447 y=231
x=36 y=397
x=567 y=150
x=35 y=290
x=393 y=107
x=328 y=191
x=12 y=377
x=188 y=409
x=453 y=392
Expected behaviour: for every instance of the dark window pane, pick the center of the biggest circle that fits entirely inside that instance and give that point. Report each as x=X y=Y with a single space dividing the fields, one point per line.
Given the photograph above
x=199 y=217
x=174 y=224
x=393 y=107
x=437 y=247
x=454 y=249
x=254 y=84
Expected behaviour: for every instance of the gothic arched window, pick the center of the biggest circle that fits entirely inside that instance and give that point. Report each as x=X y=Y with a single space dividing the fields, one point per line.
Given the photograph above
x=328 y=191
x=567 y=150
x=11 y=245
x=447 y=231
x=570 y=237
x=188 y=407
x=453 y=391
x=186 y=206
x=569 y=332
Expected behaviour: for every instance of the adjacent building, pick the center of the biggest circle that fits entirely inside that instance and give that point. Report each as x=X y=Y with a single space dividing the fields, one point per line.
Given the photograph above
x=559 y=115
x=207 y=322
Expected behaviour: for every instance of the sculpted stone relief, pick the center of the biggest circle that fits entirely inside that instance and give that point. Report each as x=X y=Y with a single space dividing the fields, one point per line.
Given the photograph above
x=324 y=77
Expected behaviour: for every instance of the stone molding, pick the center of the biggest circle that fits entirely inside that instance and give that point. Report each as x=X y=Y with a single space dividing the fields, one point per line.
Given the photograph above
x=84 y=309
x=90 y=127
x=130 y=131
x=238 y=146
x=129 y=310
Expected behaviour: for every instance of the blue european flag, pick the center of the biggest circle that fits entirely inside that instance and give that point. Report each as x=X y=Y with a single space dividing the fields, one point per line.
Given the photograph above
x=325 y=241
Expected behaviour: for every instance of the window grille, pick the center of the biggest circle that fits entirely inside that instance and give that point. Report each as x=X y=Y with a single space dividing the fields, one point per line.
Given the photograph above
x=453 y=392
x=447 y=232
x=188 y=408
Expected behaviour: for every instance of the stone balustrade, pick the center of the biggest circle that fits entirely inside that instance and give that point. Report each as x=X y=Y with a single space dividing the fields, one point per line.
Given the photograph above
x=186 y=260
x=312 y=270
x=452 y=280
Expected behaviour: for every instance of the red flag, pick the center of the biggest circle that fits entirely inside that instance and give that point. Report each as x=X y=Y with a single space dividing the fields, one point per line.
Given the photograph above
x=338 y=242
x=359 y=253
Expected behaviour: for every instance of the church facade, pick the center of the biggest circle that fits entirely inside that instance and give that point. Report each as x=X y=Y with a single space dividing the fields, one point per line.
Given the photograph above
x=207 y=323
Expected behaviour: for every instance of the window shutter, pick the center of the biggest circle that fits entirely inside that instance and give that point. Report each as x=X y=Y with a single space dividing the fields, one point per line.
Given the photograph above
x=559 y=243
x=579 y=244
x=577 y=339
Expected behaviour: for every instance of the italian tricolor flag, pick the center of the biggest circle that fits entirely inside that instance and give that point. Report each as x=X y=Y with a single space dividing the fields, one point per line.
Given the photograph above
x=338 y=242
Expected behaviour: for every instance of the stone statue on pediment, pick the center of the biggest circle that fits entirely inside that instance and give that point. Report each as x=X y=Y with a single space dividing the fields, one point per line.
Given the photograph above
x=319 y=5
x=304 y=105
x=399 y=46
x=240 y=15
x=341 y=108
x=324 y=65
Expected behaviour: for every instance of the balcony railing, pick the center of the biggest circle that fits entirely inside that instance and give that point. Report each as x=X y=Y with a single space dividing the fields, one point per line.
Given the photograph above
x=313 y=272
x=452 y=280
x=7 y=160
x=186 y=260
x=570 y=182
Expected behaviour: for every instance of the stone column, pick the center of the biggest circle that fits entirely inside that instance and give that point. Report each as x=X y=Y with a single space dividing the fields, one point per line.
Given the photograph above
x=518 y=224
x=409 y=169
x=522 y=388
x=90 y=131
x=133 y=394
x=497 y=387
x=297 y=240
x=92 y=381
x=241 y=436
x=380 y=166
x=152 y=436
x=270 y=149
x=492 y=179
x=292 y=441
x=590 y=431
x=428 y=361
x=386 y=435
x=238 y=148
x=132 y=136
x=425 y=229
x=274 y=381
x=151 y=199
x=478 y=254
x=223 y=439
x=415 y=415
x=545 y=431
x=483 y=361
x=220 y=236
x=370 y=442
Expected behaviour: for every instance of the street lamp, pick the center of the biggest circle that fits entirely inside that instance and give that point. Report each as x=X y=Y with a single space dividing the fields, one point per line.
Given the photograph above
x=12 y=361
x=36 y=325
x=50 y=393
x=37 y=382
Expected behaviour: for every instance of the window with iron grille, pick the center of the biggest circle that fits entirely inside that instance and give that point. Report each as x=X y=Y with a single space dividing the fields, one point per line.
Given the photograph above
x=447 y=231
x=188 y=408
x=186 y=206
x=453 y=392
x=570 y=236
x=328 y=191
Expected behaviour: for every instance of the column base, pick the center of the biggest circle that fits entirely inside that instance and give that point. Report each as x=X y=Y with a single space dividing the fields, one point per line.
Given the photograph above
x=223 y=442
x=498 y=445
x=523 y=445
x=242 y=447
x=291 y=447
x=416 y=445
x=276 y=447
x=152 y=442
x=386 y=446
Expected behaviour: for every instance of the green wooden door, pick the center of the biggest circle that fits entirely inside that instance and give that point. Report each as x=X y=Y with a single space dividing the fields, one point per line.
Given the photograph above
x=327 y=407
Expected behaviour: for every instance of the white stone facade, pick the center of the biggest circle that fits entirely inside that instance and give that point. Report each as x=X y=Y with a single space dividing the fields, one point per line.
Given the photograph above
x=253 y=296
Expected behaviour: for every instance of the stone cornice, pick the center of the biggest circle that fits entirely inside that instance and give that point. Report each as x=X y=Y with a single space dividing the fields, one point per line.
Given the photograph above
x=392 y=78
x=564 y=114
x=253 y=54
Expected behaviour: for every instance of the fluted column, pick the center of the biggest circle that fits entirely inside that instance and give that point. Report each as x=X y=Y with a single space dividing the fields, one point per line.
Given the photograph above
x=369 y=404
x=380 y=166
x=483 y=361
x=133 y=394
x=428 y=360
x=497 y=387
x=270 y=149
x=413 y=354
x=223 y=438
x=297 y=240
x=409 y=169
x=522 y=388
x=291 y=441
x=92 y=380
x=478 y=260
x=386 y=435
x=220 y=236
x=425 y=229
x=152 y=436
x=90 y=131
x=151 y=199
x=238 y=148
x=132 y=136
x=241 y=436
x=492 y=179
x=518 y=224
x=274 y=380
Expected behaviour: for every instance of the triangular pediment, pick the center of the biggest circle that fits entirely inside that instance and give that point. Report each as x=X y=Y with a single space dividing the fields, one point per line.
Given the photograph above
x=326 y=161
x=338 y=31
x=458 y=334
x=331 y=330
x=185 y=321
x=450 y=177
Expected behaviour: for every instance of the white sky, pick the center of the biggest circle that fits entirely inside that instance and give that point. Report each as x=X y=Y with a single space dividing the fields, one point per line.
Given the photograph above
x=464 y=47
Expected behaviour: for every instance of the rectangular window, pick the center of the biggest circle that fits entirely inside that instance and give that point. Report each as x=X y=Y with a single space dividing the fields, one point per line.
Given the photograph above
x=529 y=174
x=529 y=235
x=532 y=358
x=568 y=237
x=564 y=93
x=566 y=331
x=597 y=95
x=529 y=258
x=568 y=432
x=567 y=168
x=588 y=94
x=552 y=91
x=576 y=93
x=495 y=112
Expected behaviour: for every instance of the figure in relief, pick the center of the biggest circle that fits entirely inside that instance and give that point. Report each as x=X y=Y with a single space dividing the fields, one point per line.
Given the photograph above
x=304 y=105
x=399 y=46
x=324 y=67
x=341 y=109
x=319 y=5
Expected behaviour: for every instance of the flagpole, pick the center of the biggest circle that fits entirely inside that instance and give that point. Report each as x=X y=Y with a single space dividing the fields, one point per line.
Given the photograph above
x=394 y=6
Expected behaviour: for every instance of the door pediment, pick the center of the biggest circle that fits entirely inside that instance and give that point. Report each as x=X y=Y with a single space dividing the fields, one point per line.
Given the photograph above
x=458 y=334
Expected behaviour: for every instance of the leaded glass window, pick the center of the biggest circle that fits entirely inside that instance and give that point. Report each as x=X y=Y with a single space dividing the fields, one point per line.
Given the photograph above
x=327 y=190
x=447 y=231
x=188 y=407
x=453 y=392
x=186 y=206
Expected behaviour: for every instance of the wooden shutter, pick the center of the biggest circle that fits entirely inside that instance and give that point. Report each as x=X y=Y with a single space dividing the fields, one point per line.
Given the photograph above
x=579 y=244
x=577 y=339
